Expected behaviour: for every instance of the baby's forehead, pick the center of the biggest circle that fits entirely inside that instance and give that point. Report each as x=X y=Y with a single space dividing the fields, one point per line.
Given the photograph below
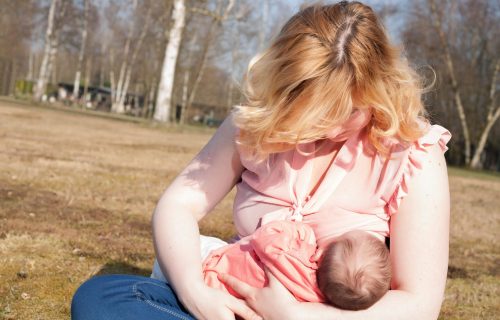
x=354 y=234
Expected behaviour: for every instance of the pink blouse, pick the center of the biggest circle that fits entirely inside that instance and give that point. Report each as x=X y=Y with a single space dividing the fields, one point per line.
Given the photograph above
x=360 y=190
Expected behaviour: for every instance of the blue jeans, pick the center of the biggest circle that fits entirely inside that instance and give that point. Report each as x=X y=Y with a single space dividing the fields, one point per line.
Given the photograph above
x=126 y=297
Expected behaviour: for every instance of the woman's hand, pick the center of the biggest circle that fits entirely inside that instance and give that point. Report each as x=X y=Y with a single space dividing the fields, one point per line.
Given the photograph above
x=209 y=303
x=271 y=302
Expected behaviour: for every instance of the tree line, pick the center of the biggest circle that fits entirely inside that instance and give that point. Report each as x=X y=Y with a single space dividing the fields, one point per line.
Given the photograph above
x=160 y=58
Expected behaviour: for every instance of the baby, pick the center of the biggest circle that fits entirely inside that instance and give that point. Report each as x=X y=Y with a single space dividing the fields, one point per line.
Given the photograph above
x=352 y=273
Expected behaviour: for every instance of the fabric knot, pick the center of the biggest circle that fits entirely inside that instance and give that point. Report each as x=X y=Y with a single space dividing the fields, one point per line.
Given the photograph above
x=296 y=212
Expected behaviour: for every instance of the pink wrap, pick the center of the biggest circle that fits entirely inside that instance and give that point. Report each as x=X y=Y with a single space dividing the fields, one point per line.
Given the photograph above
x=286 y=248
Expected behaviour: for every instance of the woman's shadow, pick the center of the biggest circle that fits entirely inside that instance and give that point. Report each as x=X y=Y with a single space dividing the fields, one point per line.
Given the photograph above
x=121 y=267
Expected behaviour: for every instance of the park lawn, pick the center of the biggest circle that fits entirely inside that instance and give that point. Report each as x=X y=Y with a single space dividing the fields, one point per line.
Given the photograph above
x=77 y=192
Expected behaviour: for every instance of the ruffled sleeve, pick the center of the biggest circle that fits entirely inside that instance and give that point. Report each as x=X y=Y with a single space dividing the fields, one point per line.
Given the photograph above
x=412 y=162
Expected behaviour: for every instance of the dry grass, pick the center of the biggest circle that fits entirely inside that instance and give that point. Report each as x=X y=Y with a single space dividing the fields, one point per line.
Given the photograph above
x=77 y=192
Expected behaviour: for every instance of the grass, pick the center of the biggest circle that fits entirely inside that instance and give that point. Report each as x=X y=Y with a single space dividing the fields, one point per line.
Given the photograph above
x=470 y=173
x=77 y=192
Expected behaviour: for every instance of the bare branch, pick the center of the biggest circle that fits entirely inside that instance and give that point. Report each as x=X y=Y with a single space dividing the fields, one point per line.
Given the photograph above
x=205 y=12
x=217 y=17
x=229 y=7
x=493 y=89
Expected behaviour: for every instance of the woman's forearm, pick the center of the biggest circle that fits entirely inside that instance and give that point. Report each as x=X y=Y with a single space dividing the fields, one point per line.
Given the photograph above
x=176 y=240
x=195 y=192
x=396 y=304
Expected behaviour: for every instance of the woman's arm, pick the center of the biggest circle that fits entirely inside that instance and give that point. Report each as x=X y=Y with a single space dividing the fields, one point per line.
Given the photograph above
x=197 y=189
x=419 y=255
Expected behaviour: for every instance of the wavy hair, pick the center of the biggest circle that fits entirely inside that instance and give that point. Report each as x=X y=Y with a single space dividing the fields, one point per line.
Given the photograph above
x=326 y=62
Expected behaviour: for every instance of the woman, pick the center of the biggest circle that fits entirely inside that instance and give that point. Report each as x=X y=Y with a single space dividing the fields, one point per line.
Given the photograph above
x=334 y=133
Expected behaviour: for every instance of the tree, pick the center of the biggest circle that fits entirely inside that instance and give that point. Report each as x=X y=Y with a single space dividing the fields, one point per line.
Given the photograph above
x=56 y=14
x=128 y=65
x=217 y=19
x=76 y=87
x=493 y=112
x=165 y=88
x=437 y=23
x=461 y=41
x=117 y=94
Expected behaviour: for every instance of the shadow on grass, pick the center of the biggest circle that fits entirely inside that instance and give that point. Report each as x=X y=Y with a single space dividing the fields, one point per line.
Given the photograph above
x=457 y=273
x=120 y=267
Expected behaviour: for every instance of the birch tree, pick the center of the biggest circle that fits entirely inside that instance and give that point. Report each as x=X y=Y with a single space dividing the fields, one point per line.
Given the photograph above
x=491 y=119
x=185 y=84
x=234 y=58
x=438 y=25
x=78 y=74
x=117 y=95
x=122 y=91
x=44 y=68
x=472 y=160
x=217 y=19
x=166 y=85
x=56 y=14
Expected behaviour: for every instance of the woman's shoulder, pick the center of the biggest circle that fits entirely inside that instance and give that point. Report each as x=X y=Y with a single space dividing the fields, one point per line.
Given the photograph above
x=406 y=160
x=433 y=134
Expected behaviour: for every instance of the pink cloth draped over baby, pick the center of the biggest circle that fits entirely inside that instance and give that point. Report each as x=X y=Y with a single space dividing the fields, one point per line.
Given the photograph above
x=286 y=249
x=360 y=190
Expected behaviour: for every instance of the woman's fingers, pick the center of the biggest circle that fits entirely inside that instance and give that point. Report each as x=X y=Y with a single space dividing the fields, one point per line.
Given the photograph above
x=271 y=278
x=276 y=286
x=317 y=256
x=240 y=308
x=243 y=289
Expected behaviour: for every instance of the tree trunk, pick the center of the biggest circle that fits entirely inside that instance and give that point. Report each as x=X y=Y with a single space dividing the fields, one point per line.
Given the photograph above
x=43 y=75
x=185 y=86
x=476 y=163
x=214 y=26
x=88 y=72
x=187 y=76
x=152 y=95
x=121 y=99
x=112 y=76
x=492 y=117
x=30 y=67
x=101 y=65
x=53 y=63
x=454 y=84
x=117 y=106
x=76 y=86
x=234 y=58
x=204 y=58
x=165 y=88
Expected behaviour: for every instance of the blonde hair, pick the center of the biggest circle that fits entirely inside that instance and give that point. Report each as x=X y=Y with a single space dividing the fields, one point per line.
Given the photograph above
x=328 y=61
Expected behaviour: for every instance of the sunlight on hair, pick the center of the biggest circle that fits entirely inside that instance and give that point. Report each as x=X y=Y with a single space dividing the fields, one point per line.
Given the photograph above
x=327 y=62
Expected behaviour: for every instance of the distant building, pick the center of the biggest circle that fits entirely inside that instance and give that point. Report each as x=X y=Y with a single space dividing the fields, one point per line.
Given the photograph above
x=98 y=97
x=199 y=112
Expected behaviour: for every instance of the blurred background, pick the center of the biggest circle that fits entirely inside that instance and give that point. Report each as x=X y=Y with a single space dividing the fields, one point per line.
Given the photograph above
x=147 y=59
x=103 y=102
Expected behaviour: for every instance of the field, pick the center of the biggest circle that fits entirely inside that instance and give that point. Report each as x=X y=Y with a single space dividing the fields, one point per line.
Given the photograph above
x=77 y=192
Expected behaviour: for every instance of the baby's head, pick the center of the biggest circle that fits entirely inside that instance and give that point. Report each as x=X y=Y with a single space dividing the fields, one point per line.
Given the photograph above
x=355 y=271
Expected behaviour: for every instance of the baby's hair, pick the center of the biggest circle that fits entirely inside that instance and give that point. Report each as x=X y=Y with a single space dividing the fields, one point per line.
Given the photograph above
x=327 y=61
x=354 y=272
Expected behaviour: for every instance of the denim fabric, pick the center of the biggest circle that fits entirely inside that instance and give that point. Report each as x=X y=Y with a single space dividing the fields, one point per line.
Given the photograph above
x=126 y=297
